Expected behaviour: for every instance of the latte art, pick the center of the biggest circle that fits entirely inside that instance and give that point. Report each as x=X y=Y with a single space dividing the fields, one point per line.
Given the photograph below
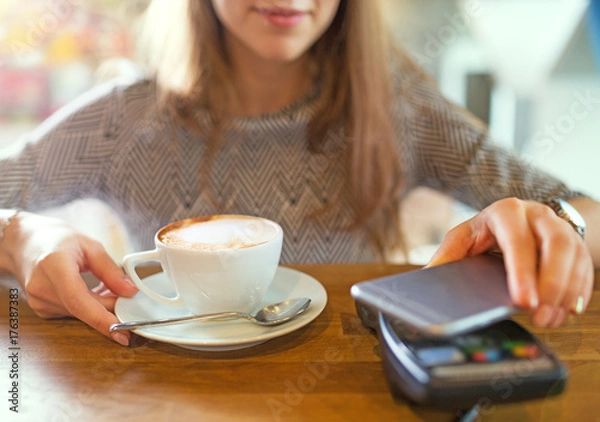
x=219 y=233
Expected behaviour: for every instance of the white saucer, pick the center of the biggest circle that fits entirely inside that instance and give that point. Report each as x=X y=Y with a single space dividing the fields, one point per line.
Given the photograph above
x=222 y=335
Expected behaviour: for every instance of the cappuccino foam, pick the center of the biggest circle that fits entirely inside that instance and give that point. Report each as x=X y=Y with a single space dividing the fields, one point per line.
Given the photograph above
x=220 y=233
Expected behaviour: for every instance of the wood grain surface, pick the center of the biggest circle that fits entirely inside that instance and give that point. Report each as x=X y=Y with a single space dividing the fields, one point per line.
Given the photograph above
x=329 y=370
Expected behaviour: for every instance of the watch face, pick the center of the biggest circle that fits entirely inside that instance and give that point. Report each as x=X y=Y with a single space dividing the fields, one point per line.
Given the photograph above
x=569 y=213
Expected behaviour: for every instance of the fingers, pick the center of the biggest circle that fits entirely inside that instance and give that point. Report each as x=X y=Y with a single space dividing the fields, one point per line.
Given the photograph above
x=462 y=241
x=554 y=274
x=74 y=299
x=509 y=225
x=95 y=307
x=44 y=300
x=77 y=300
x=90 y=308
x=549 y=269
x=457 y=244
x=56 y=288
x=566 y=269
x=105 y=269
x=489 y=231
x=45 y=308
x=543 y=254
x=51 y=256
x=569 y=297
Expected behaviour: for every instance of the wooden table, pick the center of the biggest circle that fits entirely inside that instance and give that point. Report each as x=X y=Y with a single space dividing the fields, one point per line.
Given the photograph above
x=329 y=370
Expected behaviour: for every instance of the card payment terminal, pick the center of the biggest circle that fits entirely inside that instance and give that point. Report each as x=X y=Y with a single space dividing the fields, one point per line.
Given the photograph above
x=497 y=364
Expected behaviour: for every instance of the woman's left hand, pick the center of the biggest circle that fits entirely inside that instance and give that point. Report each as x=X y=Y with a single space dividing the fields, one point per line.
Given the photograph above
x=548 y=266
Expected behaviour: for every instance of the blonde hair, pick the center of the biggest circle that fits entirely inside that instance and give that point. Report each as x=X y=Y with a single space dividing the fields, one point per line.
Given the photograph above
x=355 y=56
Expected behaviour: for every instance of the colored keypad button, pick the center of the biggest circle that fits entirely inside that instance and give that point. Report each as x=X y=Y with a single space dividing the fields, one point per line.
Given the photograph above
x=486 y=355
x=527 y=351
x=509 y=345
x=444 y=355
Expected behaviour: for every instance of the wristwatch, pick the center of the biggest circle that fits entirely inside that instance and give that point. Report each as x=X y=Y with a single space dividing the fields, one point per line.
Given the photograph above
x=568 y=213
x=5 y=218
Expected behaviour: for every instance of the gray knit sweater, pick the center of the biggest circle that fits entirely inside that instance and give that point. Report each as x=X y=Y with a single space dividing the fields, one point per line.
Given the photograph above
x=111 y=144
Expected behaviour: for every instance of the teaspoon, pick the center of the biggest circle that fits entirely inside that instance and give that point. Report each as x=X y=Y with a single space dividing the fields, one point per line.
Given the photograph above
x=273 y=314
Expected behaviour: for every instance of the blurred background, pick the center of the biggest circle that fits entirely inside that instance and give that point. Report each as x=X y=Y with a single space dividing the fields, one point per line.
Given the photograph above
x=528 y=68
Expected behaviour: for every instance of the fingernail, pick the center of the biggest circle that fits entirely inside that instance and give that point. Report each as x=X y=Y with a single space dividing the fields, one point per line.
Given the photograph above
x=432 y=262
x=559 y=317
x=120 y=338
x=534 y=302
x=578 y=307
x=543 y=316
x=128 y=280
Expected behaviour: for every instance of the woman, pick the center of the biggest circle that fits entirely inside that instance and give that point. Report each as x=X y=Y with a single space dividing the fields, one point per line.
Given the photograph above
x=301 y=111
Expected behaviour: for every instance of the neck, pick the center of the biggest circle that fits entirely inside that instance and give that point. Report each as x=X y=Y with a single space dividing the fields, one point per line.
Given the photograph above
x=265 y=87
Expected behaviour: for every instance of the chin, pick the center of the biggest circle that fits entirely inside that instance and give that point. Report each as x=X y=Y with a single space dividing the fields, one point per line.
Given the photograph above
x=282 y=58
x=282 y=55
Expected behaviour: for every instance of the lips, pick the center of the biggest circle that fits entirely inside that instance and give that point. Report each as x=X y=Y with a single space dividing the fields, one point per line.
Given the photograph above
x=280 y=17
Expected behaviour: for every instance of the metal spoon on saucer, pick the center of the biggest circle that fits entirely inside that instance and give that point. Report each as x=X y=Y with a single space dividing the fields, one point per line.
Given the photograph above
x=273 y=314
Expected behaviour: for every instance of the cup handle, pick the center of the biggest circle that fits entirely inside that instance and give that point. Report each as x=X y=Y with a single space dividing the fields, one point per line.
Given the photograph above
x=130 y=261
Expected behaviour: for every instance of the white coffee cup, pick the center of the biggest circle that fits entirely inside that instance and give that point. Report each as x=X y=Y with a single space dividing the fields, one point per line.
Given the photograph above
x=216 y=264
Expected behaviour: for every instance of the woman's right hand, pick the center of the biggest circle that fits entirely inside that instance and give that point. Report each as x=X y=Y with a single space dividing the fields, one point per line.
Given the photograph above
x=48 y=256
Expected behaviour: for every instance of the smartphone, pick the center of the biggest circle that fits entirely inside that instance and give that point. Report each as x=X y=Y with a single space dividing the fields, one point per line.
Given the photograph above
x=498 y=364
x=445 y=300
